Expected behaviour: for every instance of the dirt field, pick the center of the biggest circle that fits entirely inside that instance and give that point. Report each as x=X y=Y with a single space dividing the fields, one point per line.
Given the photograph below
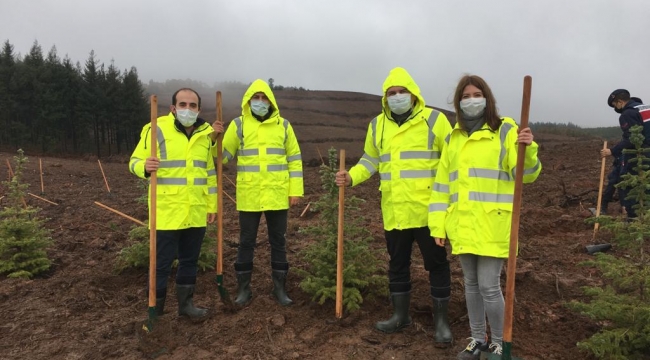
x=82 y=309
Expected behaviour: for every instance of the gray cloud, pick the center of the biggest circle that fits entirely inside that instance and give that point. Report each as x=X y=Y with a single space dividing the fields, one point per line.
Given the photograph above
x=576 y=51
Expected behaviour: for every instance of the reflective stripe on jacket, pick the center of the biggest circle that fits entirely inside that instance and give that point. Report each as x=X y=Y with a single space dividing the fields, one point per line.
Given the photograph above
x=405 y=156
x=471 y=201
x=186 y=179
x=269 y=163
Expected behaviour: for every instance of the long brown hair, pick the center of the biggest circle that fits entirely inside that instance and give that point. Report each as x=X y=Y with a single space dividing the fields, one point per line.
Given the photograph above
x=491 y=114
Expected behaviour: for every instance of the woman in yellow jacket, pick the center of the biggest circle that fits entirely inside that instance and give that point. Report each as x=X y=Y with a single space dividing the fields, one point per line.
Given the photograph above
x=471 y=203
x=269 y=180
x=403 y=145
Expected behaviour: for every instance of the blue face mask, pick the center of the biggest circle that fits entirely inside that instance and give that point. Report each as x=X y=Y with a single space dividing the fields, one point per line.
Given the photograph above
x=259 y=107
x=399 y=103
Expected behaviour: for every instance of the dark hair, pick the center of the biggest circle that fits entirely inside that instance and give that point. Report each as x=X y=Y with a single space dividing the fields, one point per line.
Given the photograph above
x=186 y=89
x=625 y=96
x=491 y=114
x=618 y=94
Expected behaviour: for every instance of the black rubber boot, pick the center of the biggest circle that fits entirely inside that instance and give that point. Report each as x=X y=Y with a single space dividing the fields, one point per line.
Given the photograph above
x=244 y=272
x=400 y=318
x=441 y=322
x=185 y=294
x=279 y=275
x=160 y=306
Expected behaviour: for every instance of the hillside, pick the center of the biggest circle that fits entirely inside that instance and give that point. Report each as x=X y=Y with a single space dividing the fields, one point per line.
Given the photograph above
x=321 y=119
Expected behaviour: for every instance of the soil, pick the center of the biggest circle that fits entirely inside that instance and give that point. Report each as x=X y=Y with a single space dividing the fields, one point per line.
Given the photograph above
x=83 y=309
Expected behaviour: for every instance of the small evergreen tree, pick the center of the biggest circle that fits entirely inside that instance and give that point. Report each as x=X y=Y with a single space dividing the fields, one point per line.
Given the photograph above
x=23 y=239
x=623 y=304
x=137 y=254
x=361 y=268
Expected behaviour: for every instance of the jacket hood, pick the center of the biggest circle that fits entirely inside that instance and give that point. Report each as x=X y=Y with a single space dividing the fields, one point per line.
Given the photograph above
x=258 y=86
x=400 y=77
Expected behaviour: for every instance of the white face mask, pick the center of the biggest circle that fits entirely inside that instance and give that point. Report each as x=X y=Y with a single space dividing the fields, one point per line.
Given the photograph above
x=186 y=117
x=259 y=107
x=399 y=103
x=473 y=107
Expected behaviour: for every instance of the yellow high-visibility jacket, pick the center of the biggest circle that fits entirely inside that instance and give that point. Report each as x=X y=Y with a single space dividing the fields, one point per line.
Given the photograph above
x=269 y=163
x=471 y=201
x=186 y=179
x=406 y=157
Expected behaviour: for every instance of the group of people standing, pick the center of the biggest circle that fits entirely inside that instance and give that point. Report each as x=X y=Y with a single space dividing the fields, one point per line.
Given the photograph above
x=437 y=183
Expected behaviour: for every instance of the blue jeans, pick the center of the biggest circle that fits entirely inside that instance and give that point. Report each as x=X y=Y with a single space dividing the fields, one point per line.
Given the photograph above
x=184 y=244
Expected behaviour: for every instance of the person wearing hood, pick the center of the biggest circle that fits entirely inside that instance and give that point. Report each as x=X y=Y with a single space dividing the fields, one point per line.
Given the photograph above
x=186 y=193
x=632 y=112
x=403 y=145
x=269 y=181
x=471 y=203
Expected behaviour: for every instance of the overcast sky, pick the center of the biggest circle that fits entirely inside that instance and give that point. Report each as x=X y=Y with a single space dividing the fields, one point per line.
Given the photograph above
x=577 y=51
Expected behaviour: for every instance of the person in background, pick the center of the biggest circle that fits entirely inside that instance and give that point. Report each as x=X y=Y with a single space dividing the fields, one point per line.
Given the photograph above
x=632 y=113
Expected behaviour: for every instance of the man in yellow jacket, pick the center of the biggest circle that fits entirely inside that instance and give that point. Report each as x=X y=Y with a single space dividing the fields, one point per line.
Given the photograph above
x=269 y=180
x=186 y=193
x=404 y=144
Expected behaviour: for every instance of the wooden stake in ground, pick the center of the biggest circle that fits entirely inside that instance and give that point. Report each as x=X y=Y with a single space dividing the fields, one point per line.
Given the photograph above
x=600 y=189
x=11 y=171
x=227 y=178
x=339 y=248
x=320 y=155
x=306 y=208
x=223 y=293
x=120 y=213
x=153 y=185
x=104 y=176
x=11 y=176
x=40 y=167
x=514 y=230
x=40 y=198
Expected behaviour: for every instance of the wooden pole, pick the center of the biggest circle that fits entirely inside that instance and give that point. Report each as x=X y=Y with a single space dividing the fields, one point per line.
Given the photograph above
x=153 y=185
x=223 y=293
x=104 y=176
x=40 y=166
x=227 y=178
x=339 y=249
x=306 y=208
x=120 y=213
x=229 y=197
x=11 y=171
x=320 y=155
x=600 y=190
x=514 y=229
x=219 y=192
x=11 y=176
x=40 y=198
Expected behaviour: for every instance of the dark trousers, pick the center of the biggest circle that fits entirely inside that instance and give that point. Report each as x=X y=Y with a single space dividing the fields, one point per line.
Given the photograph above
x=184 y=244
x=249 y=222
x=400 y=245
x=613 y=178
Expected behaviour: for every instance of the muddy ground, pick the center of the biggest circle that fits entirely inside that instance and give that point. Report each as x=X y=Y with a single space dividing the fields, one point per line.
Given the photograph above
x=82 y=309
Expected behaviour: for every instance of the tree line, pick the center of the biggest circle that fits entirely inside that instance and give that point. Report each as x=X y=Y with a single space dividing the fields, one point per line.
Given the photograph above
x=57 y=106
